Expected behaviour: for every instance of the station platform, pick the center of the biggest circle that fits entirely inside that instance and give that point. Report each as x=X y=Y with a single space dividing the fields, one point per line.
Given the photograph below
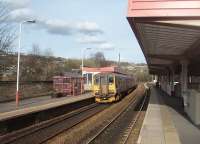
x=9 y=109
x=166 y=123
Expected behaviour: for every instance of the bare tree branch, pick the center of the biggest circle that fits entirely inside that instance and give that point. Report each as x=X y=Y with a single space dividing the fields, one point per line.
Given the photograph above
x=7 y=33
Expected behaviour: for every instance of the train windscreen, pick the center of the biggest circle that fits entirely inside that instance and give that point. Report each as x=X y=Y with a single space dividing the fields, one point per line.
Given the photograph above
x=110 y=79
x=103 y=79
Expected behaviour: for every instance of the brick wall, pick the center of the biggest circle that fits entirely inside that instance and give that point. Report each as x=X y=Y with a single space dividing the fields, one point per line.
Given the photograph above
x=7 y=91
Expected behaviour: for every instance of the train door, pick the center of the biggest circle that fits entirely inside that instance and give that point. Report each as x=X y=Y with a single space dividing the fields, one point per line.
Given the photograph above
x=104 y=84
x=111 y=84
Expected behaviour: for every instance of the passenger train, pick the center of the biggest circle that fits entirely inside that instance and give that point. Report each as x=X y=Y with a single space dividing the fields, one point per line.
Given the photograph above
x=111 y=87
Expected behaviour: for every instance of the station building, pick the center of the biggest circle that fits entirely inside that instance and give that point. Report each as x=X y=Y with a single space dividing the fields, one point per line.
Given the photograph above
x=168 y=32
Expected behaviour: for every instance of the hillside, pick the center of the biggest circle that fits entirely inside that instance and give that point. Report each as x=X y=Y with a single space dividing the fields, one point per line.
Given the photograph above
x=42 y=68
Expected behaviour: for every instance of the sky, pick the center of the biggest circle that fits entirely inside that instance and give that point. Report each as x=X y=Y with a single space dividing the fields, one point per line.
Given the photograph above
x=68 y=27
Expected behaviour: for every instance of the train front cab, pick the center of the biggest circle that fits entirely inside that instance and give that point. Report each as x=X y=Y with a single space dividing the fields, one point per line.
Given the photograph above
x=104 y=88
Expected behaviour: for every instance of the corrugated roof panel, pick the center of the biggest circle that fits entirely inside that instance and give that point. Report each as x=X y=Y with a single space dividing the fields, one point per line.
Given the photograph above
x=168 y=31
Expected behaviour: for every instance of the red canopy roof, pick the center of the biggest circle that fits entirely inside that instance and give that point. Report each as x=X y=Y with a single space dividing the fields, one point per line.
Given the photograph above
x=114 y=69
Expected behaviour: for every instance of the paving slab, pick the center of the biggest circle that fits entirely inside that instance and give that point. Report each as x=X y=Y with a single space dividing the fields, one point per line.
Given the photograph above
x=188 y=132
x=158 y=127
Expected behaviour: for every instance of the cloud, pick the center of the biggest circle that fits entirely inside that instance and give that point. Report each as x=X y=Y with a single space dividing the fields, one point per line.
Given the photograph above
x=15 y=4
x=17 y=10
x=62 y=27
x=98 y=42
x=20 y=11
x=90 y=40
x=19 y=15
x=58 y=27
x=89 y=28
x=106 y=45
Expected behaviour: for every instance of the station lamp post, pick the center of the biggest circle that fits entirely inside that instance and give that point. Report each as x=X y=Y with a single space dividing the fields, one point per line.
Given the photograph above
x=83 y=55
x=18 y=58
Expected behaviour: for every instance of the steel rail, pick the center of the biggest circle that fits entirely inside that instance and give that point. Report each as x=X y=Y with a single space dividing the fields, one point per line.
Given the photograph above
x=133 y=101
x=20 y=134
x=135 y=120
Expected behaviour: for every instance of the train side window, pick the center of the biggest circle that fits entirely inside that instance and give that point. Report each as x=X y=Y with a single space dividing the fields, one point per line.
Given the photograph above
x=103 y=79
x=110 y=79
x=66 y=80
x=59 y=80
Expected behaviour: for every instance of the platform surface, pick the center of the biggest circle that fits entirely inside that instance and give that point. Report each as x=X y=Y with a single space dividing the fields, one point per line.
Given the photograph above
x=188 y=132
x=166 y=123
x=9 y=109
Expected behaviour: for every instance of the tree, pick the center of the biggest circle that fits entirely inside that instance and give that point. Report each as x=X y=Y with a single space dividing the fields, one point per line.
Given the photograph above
x=7 y=36
x=99 y=59
x=142 y=74
x=48 y=52
x=35 y=51
x=7 y=33
x=32 y=67
x=48 y=55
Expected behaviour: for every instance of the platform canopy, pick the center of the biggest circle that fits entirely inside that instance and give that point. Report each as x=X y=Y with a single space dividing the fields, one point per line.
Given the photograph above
x=168 y=32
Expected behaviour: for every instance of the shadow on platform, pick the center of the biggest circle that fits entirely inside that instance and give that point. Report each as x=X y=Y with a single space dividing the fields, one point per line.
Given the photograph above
x=187 y=131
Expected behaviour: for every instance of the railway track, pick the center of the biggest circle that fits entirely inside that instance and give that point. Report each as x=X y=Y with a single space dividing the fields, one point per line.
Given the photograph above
x=130 y=129
x=46 y=130
x=120 y=128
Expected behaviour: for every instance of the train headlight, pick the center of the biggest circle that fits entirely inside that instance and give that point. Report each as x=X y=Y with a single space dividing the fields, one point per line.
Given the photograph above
x=96 y=93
